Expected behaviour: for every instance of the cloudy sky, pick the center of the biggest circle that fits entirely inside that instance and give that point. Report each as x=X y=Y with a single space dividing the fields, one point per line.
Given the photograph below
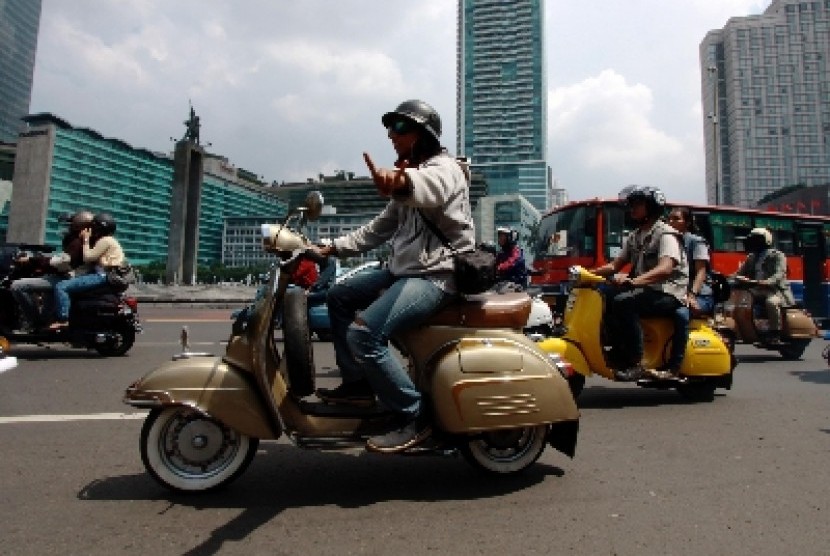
x=291 y=89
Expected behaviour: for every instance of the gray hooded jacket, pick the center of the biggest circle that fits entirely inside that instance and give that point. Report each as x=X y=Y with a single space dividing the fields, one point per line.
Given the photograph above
x=440 y=188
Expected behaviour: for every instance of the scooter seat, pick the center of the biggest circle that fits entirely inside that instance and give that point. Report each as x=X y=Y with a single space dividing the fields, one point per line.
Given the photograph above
x=488 y=310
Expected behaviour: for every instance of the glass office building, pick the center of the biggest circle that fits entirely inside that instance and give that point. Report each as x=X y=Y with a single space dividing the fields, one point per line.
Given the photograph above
x=765 y=83
x=61 y=169
x=19 y=23
x=502 y=99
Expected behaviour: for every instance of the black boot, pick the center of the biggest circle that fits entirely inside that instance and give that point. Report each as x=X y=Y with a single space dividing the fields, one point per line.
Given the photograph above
x=357 y=393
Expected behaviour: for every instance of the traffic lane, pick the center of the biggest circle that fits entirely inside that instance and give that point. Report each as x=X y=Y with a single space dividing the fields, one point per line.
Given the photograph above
x=663 y=477
x=744 y=474
x=651 y=473
x=58 y=380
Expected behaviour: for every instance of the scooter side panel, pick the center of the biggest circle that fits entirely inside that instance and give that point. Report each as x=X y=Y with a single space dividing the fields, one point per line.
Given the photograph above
x=209 y=385
x=706 y=354
x=483 y=384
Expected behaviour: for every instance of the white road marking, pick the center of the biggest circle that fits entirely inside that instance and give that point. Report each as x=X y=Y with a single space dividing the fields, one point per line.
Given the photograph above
x=67 y=418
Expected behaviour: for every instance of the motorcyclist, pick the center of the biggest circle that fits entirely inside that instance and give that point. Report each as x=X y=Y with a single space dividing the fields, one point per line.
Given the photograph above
x=699 y=298
x=765 y=269
x=101 y=251
x=368 y=309
x=52 y=270
x=510 y=259
x=656 y=284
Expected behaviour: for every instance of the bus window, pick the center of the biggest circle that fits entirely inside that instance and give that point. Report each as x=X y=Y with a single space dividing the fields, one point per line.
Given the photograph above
x=566 y=233
x=729 y=231
x=615 y=230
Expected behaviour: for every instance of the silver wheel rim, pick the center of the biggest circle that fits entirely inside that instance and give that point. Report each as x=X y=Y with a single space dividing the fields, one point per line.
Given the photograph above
x=192 y=446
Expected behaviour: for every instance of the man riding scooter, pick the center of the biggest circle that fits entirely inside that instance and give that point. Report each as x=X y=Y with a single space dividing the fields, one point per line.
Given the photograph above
x=765 y=270
x=656 y=285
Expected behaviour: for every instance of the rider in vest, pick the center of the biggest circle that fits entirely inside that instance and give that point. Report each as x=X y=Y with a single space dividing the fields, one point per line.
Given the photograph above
x=768 y=267
x=656 y=285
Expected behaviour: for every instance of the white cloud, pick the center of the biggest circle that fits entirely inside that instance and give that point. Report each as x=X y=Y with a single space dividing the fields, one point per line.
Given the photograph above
x=602 y=136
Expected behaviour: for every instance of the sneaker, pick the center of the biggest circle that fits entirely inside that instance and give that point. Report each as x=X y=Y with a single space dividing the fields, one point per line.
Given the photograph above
x=357 y=393
x=663 y=373
x=413 y=433
x=629 y=374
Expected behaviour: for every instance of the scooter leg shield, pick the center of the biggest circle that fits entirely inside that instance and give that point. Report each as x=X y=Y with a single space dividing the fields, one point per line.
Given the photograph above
x=706 y=354
x=211 y=386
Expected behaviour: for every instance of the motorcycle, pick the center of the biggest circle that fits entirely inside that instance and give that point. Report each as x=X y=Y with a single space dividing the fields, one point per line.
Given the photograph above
x=104 y=319
x=743 y=320
x=494 y=396
x=707 y=365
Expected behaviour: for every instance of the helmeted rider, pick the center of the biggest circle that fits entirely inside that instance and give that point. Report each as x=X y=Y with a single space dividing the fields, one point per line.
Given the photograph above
x=656 y=284
x=101 y=251
x=510 y=259
x=52 y=270
x=766 y=268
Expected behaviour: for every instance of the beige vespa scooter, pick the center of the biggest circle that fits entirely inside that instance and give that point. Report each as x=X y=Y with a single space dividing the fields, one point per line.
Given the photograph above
x=494 y=395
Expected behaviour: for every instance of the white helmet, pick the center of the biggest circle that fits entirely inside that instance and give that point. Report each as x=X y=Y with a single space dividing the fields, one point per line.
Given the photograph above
x=763 y=234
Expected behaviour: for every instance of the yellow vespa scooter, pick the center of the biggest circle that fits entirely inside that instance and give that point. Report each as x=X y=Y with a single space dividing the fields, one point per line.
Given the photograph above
x=708 y=363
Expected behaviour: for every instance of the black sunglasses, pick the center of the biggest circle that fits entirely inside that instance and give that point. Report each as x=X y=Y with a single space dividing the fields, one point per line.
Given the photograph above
x=401 y=127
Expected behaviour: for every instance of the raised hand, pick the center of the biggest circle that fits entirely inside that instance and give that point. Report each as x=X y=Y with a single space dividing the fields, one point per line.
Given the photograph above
x=385 y=180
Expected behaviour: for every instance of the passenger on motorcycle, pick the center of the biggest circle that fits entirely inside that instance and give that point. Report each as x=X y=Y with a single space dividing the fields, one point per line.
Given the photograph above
x=53 y=270
x=101 y=251
x=699 y=298
x=369 y=308
x=655 y=286
x=510 y=260
x=765 y=269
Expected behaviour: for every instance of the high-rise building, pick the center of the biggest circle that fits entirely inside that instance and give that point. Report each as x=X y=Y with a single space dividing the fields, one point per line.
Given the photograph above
x=501 y=103
x=766 y=98
x=19 y=23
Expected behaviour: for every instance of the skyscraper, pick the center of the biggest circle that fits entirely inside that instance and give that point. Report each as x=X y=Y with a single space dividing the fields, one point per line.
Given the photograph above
x=502 y=103
x=19 y=22
x=766 y=97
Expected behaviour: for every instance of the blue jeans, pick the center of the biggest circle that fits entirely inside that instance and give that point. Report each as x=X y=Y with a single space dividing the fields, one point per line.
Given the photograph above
x=362 y=350
x=78 y=284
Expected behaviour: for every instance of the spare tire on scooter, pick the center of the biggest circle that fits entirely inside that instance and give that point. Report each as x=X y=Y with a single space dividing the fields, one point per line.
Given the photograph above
x=299 y=353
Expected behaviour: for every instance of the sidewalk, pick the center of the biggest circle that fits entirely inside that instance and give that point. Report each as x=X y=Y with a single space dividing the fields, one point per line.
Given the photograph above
x=202 y=294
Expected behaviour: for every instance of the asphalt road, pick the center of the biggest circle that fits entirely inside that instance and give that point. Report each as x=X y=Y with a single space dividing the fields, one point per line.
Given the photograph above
x=748 y=473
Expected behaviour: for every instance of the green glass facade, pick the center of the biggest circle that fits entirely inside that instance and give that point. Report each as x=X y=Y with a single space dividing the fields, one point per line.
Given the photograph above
x=502 y=105
x=92 y=172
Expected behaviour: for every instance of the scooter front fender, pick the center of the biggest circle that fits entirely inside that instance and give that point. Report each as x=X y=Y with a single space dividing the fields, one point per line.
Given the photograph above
x=210 y=385
x=569 y=351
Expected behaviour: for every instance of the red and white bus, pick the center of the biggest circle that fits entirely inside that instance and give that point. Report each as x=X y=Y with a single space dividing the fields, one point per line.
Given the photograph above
x=591 y=233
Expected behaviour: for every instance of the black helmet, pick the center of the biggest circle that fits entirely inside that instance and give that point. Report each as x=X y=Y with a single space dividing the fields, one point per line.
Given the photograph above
x=653 y=197
x=419 y=112
x=104 y=224
x=80 y=220
x=758 y=239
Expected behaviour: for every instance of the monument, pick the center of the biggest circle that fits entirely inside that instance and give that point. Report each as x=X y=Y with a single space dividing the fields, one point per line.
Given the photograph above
x=185 y=200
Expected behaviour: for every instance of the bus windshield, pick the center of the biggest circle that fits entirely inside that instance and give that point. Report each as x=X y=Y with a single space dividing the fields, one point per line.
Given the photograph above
x=569 y=232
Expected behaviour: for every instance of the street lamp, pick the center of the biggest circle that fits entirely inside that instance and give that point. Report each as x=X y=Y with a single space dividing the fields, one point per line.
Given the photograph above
x=713 y=115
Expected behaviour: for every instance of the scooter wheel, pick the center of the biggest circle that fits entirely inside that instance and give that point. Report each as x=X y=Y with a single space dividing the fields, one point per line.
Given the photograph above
x=507 y=451
x=187 y=451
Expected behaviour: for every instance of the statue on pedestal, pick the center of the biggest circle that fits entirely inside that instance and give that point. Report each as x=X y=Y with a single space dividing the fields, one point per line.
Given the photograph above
x=192 y=124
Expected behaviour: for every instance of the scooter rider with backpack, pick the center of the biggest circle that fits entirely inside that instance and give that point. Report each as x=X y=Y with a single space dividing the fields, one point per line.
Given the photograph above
x=656 y=285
